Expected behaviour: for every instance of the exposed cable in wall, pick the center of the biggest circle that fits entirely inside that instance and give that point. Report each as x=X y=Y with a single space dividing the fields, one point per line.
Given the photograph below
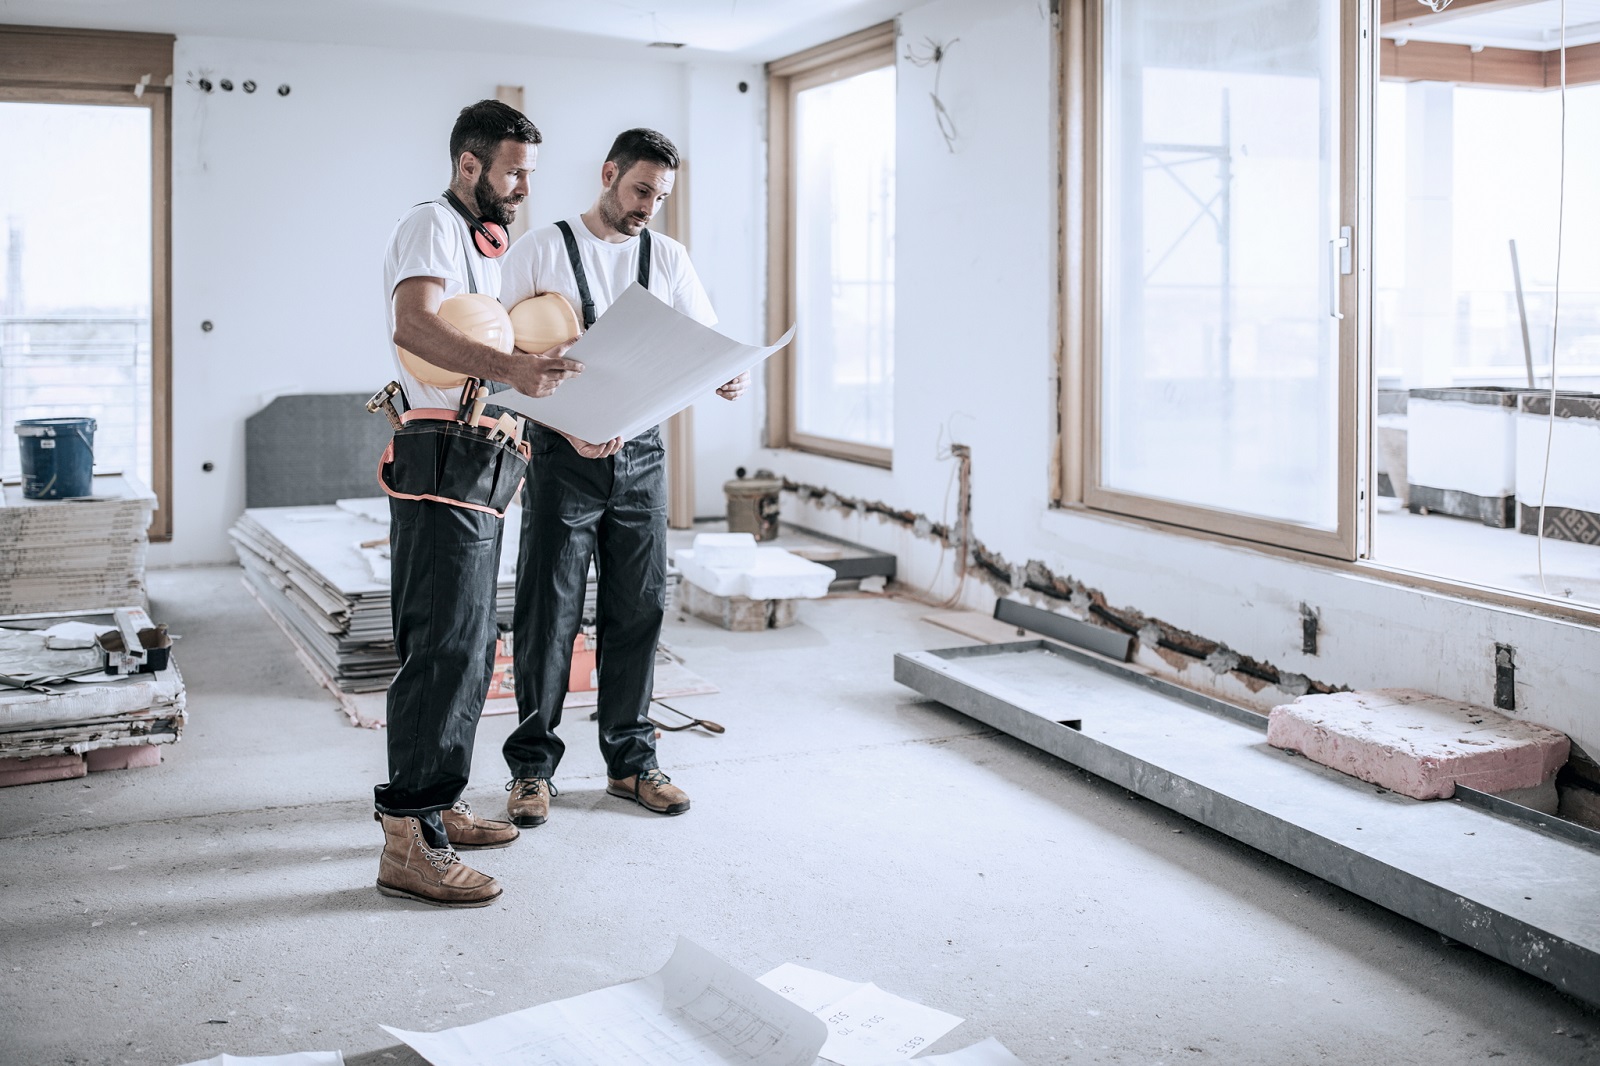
x=1555 y=317
x=962 y=473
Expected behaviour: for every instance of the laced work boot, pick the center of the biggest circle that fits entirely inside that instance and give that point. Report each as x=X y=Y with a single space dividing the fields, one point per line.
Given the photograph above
x=652 y=790
x=529 y=802
x=410 y=869
x=469 y=832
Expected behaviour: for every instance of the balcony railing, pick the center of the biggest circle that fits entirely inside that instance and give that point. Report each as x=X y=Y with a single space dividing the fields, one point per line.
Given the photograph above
x=86 y=365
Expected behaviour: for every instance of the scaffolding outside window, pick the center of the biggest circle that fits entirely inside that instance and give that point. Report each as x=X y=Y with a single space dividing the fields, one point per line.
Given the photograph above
x=1221 y=337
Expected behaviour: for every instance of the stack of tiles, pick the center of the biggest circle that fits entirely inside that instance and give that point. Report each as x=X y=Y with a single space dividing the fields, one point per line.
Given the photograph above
x=322 y=573
x=75 y=555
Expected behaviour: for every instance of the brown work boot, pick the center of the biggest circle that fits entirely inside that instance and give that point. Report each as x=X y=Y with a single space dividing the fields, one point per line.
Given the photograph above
x=470 y=833
x=410 y=869
x=529 y=802
x=652 y=790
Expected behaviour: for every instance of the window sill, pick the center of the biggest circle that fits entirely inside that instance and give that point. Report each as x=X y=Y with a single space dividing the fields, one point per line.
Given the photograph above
x=1059 y=515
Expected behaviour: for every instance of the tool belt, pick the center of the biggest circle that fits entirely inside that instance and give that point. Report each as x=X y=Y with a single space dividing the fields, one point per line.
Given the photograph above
x=435 y=457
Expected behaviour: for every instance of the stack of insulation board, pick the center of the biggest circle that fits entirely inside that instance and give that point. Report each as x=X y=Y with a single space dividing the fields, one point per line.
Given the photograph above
x=322 y=573
x=87 y=713
x=74 y=555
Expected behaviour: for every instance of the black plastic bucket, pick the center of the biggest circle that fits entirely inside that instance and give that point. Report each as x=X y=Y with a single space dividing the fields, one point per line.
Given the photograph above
x=57 y=457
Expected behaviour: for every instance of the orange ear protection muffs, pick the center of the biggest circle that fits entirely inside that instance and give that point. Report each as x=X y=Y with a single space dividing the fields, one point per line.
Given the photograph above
x=489 y=236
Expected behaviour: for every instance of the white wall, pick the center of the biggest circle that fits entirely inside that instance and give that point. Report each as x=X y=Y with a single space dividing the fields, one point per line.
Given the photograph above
x=976 y=328
x=727 y=240
x=282 y=207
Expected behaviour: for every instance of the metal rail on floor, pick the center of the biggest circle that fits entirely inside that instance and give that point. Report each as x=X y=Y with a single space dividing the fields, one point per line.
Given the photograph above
x=1520 y=893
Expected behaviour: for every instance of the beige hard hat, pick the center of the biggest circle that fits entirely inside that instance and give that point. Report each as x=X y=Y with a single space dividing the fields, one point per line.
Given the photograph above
x=541 y=322
x=480 y=317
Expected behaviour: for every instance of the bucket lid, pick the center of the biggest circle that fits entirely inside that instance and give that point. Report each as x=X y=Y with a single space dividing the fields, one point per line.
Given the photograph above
x=48 y=427
x=753 y=486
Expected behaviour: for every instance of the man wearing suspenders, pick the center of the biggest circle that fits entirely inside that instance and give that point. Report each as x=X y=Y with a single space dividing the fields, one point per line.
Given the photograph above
x=446 y=477
x=604 y=500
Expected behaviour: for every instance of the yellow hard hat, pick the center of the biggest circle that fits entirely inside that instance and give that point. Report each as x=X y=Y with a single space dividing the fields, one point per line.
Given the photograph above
x=477 y=315
x=541 y=322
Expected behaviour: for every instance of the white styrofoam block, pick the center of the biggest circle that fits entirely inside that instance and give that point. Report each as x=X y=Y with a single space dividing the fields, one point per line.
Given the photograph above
x=775 y=575
x=1574 y=459
x=1469 y=447
x=725 y=551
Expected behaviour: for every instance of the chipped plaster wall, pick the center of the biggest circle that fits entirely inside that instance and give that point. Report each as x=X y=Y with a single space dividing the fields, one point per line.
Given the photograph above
x=976 y=327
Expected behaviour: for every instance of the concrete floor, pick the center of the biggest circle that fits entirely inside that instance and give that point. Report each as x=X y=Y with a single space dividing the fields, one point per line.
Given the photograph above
x=223 y=901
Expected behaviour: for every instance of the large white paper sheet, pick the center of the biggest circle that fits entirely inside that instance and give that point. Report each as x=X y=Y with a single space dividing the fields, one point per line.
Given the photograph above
x=866 y=1025
x=697 y=1011
x=642 y=363
x=299 y=1058
x=988 y=1052
x=811 y=989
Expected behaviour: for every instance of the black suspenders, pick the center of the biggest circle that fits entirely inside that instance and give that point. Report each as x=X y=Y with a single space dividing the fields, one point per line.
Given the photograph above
x=472 y=279
x=583 y=282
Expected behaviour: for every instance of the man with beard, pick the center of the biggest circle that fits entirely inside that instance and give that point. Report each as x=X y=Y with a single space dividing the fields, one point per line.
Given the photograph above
x=606 y=501
x=445 y=550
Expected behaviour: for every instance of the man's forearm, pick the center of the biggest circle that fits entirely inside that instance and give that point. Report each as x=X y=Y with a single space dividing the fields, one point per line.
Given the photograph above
x=441 y=344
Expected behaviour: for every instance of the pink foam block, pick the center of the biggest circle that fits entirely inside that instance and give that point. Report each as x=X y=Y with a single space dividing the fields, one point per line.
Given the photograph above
x=123 y=758
x=14 y=771
x=1416 y=744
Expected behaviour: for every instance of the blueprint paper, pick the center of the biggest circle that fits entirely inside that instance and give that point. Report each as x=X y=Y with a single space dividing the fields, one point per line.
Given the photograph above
x=300 y=1058
x=811 y=989
x=697 y=1011
x=988 y=1052
x=642 y=363
x=866 y=1025
x=870 y=1027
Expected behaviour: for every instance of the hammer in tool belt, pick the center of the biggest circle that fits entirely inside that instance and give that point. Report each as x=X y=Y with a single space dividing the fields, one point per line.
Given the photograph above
x=383 y=400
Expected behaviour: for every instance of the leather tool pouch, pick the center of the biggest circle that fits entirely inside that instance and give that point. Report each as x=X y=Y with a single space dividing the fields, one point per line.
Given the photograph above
x=450 y=463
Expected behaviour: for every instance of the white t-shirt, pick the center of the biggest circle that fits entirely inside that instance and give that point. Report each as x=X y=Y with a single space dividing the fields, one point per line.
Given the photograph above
x=432 y=240
x=538 y=264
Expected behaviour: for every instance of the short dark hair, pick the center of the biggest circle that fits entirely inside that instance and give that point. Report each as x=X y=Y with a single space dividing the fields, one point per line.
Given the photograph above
x=642 y=146
x=481 y=127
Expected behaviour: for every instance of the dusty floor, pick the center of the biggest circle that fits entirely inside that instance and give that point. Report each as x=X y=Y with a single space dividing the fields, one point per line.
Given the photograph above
x=223 y=901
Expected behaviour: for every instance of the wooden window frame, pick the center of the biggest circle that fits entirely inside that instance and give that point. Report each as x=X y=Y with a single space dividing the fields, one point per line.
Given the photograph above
x=40 y=64
x=1078 y=469
x=1078 y=94
x=846 y=57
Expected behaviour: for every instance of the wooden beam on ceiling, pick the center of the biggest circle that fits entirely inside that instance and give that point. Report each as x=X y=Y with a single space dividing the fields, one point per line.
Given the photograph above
x=42 y=57
x=1501 y=68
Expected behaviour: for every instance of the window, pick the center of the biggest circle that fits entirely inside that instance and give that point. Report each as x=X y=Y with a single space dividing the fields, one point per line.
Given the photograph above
x=84 y=300
x=832 y=246
x=1218 y=285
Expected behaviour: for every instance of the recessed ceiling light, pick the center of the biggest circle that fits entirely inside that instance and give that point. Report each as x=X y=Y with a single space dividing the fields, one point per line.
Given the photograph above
x=666 y=44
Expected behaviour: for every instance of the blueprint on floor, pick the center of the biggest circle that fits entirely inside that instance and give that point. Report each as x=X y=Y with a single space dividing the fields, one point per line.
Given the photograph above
x=696 y=1011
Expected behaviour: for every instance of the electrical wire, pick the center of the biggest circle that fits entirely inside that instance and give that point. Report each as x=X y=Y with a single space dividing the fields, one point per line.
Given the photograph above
x=1555 y=317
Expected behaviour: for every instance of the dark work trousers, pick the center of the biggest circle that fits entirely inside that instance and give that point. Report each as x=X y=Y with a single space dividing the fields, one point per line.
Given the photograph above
x=614 y=510
x=444 y=561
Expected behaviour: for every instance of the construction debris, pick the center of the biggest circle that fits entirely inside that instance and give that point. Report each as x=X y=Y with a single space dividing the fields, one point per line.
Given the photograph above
x=59 y=705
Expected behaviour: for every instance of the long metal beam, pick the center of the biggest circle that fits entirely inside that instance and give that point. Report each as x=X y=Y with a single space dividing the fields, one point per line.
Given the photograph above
x=1519 y=894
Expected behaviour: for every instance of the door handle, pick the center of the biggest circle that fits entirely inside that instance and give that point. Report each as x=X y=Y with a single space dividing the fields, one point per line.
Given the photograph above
x=1338 y=265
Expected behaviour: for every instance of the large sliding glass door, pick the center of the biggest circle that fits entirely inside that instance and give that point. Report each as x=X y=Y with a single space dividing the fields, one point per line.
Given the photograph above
x=1222 y=388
